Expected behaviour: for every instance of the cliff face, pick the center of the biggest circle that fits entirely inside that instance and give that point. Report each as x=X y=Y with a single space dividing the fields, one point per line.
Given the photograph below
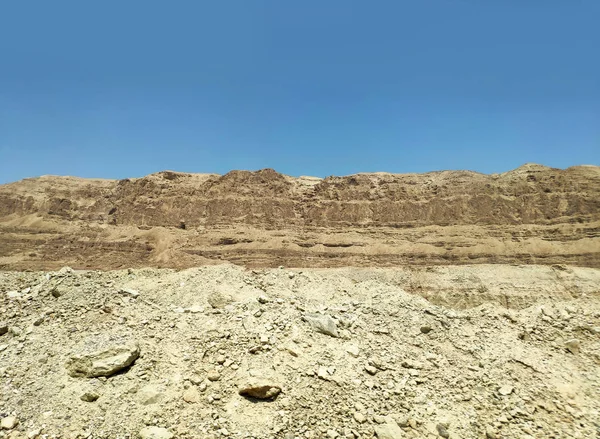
x=532 y=214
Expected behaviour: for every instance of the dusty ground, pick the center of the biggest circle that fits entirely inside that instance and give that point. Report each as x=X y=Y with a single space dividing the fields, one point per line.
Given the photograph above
x=500 y=351
x=533 y=214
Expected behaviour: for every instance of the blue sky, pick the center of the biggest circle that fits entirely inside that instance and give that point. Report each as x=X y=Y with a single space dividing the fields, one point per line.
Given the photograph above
x=120 y=89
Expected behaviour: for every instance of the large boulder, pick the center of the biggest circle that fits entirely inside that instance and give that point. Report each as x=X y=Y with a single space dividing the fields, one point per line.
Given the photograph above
x=103 y=356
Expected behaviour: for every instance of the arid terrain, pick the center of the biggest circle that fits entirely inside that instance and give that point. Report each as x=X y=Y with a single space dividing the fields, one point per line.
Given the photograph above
x=533 y=215
x=260 y=306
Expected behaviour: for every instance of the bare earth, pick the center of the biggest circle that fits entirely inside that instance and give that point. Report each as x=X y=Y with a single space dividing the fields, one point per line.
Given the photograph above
x=443 y=305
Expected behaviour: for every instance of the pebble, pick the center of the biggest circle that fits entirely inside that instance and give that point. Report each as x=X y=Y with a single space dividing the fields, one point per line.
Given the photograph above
x=9 y=423
x=426 y=329
x=191 y=395
x=353 y=350
x=260 y=388
x=442 y=431
x=505 y=390
x=371 y=370
x=89 y=396
x=573 y=345
x=213 y=375
x=359 y=417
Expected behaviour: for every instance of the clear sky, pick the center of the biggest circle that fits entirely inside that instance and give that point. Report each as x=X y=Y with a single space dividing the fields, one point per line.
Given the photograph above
x=119 y=89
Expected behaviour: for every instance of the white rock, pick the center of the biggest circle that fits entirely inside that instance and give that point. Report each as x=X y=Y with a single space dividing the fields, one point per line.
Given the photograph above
x=322 y=323
x=103 y=357
x=389 y=431
x=9 y=423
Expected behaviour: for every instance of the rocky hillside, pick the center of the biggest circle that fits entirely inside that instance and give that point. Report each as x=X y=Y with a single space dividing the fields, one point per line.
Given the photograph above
x=533 y=214
x=224 y=352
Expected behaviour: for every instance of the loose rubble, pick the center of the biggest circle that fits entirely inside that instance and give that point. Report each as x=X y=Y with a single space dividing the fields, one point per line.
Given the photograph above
x=280 y=353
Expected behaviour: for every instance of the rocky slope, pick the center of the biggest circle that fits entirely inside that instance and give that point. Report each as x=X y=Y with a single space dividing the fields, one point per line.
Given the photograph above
x=533 y=214
x=225 y=352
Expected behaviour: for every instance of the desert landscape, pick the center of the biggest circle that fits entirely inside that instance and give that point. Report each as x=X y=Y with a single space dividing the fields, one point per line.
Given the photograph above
x=450 y=304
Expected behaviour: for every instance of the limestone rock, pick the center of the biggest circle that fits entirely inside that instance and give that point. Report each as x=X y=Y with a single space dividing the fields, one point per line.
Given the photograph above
x=191 y=395
x=573 y=345
x=388 y=430
x=218 y=300
x=103 y=357
x=322 y=323
x=89 y=396
x=260 y=389
x=9 y=423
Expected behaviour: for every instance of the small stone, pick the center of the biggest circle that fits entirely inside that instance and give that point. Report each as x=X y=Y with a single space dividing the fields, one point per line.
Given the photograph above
x=129 y=292
x=221 y=359
x=263 y=299
x=213 y=375
x=191 y=395
x=573 y=345
x=442 y=431
x=505 y=390
x=260 y=389
x=426 y=329
x=332 y=434
x=353 y=350
x=389 y=431
x=490 y=433
x=155 y=433
x=371 y=370
x=150 y=394
x=89 y=396
x=9 y=423
x=218 y=300
x=359 y=417
x=3 y=328
x=32 y=434
x=322 y=323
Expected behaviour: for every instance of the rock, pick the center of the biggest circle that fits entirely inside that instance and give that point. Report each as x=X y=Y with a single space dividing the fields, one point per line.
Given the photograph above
x=150 y=394
x=322 y=323
x=263 y=299
x=371 y=370
x=218 y=300
x=32 y=434
x=103 y=357
x=89 y=396
x=442 y=431
x=260 y=389
x=505 y=390
x=388 y=430
x=573 y=345
x=129 y=292
x=9 y=423
x=13 y=294
x=213 y=375
x=3 y=328
x=191 y=395
x=426 y=329
x=155 y=433
x=359 y=417
x=3 y=347
x=490 y=433
x=353 y=350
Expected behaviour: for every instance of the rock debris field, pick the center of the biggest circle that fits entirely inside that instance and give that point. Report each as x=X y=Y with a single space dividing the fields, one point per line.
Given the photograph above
x=228 y=352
